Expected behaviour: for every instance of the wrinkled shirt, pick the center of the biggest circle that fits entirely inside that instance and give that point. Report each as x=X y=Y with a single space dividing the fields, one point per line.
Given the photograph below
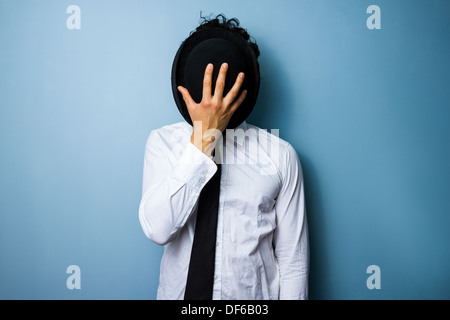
x=262 y=249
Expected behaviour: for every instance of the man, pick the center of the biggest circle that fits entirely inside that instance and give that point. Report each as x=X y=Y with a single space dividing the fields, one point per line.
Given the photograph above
x=259 y=247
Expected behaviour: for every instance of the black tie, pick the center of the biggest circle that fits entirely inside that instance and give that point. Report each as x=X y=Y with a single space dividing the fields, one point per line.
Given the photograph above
x=200 y=279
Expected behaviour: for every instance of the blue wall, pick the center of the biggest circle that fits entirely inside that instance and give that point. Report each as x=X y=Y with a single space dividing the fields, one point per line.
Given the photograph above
x=367 y=110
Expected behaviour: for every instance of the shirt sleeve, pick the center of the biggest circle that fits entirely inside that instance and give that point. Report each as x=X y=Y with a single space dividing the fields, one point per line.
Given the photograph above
x=171 y=187
x=291 y=234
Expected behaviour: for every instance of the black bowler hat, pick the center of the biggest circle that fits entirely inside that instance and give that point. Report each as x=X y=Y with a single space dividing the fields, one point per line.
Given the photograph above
x=215 y=45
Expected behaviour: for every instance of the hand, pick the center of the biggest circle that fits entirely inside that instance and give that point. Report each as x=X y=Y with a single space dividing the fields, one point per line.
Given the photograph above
x=210 y=117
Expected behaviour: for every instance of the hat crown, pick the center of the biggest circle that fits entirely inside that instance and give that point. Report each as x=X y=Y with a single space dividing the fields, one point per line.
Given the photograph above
x=215 y=45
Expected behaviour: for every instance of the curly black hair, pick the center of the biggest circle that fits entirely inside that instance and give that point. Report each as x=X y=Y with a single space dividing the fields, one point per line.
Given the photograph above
x=232 y=24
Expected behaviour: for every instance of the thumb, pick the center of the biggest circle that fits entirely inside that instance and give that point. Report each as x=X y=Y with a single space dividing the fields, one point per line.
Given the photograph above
x=186 y=96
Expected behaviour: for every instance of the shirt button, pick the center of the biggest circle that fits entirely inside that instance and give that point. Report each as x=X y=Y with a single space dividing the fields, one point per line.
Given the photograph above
x=202 y=180
x=216 y=277
x=217 y=244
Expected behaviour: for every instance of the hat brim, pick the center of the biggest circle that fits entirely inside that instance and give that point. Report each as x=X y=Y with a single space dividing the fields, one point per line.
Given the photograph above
x=215 y=45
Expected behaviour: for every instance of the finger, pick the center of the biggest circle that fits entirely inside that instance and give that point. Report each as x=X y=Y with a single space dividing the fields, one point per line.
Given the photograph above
x=186 y=96
x=238 y=102
x=220 y=83
x=234 y=90
x=207 y=79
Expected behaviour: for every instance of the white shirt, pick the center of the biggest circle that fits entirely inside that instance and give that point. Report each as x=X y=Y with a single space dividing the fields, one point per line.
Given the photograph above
x=262 y=249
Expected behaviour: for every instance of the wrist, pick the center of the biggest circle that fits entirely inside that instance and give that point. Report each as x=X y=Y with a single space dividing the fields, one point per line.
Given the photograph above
x=204 y=139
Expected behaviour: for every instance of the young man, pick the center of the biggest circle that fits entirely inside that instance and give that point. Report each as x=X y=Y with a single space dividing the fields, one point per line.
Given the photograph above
x=229 y=211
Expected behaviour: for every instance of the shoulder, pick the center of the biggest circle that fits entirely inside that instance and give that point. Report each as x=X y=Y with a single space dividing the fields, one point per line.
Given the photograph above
x=175 y=128
x=281 y=153
x=169 y=134
x=271 y=138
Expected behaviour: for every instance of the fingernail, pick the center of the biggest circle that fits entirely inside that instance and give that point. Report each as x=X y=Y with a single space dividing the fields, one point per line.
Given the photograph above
x=225 y=65
x=241 y=75
x=210 y=66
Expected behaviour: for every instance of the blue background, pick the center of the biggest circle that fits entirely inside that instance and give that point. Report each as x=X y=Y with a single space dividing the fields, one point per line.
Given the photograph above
x=366 y=110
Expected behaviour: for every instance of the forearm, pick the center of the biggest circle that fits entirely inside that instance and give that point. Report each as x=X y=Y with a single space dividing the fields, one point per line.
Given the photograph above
x=170 y=198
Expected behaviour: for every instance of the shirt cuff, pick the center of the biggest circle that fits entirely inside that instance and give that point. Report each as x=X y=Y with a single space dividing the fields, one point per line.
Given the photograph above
x=194 y=167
